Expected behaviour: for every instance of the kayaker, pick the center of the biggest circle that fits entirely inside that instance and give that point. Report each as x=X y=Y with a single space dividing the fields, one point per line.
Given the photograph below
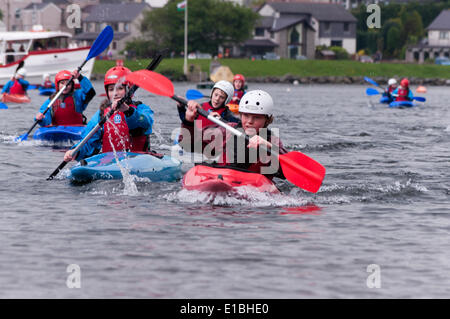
x=239 y=91
x=392 y=86
x=403 y=93
x=17 y=85
x=128 y=129
x=256 y=114
x=46 y=82
x=221 y=95
x=69 y=107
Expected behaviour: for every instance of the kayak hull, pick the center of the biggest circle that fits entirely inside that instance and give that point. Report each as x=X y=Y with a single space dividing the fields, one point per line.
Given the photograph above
x=402 y=104
x=15 y=98
x=104 y=166
x=59 y=133
x=385 y=100
x=46 y=92
x=218 y=180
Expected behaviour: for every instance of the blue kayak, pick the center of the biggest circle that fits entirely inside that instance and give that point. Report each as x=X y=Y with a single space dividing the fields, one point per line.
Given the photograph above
x=104 y=166
x=59 y=133
x=385 y=100
x=402 y=104
x=46 y=92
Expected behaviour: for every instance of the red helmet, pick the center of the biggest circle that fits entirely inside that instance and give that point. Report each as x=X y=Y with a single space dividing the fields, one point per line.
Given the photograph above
x=239 y=77
x=116 y=74
x=62 y=75
x=404 y=83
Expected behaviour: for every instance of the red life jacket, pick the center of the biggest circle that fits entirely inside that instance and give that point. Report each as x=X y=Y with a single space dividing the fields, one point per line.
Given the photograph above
x=391 y=89
x=239 y=94
x=64 y=113
x=117 y=133
x=47 y=84
x=202 y=122
x=17 y=88
x=402 y=94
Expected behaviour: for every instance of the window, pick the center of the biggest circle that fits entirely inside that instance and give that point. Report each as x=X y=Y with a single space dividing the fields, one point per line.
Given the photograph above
x=114 y=45
x=126 y=27
x=336 y=43
x=346 y=27
x=326 y=26
x=444 y=35
x=259 y=32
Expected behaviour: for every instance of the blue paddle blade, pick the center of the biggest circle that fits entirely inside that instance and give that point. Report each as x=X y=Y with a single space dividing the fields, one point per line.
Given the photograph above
x=371 y=81
x=194 y=94
x=101 y=43
x=22 y=137
x=32 y=87
x=419 y=98
x=3 y=106
x=371 y=91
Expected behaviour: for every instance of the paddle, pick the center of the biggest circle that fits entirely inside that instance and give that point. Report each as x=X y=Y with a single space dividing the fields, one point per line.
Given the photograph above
x=371 y=91
x=373 y=83
x=298 y=168
x=3 y=106
x=101 y=43
x=194 y=95
x=155 y=62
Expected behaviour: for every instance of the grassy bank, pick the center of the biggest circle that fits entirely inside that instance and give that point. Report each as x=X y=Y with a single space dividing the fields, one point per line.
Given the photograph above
x=259 y=68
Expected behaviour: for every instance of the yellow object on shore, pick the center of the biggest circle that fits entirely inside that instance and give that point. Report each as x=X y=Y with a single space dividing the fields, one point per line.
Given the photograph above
x=222 y=73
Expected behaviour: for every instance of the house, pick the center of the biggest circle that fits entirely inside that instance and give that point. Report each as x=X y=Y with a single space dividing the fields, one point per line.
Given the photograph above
x=291 y=29
x=46 y=14
x=124 y=18
x=437 y=44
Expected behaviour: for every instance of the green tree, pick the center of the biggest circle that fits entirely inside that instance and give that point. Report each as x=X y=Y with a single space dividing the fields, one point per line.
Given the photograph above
x=210 y=23
x=393 y=39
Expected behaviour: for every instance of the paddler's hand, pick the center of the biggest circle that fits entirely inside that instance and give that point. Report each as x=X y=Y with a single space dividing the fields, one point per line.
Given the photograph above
x=257 y=140
x=76 y=74
x=191 y=111
x=122 y=108
x=68 y=156
x=39 y=116
x=215 y=114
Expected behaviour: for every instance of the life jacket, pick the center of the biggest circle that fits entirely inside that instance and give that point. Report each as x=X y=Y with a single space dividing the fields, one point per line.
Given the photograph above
x=117 y=133
x=239 y=94
x=17 y=88
x=202 y=122
x=47 y=84
x=64 y=112
x=402 y=94
x=391 y=89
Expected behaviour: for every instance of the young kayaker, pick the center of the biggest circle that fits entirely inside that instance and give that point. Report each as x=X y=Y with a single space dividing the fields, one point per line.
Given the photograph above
x=239 y=91
x=221 y=95
x=128 y=129
x=392 y=86
x=17 y=85
x=403 y=93
x=256 y=114
x=46 y=82
x=69 y=107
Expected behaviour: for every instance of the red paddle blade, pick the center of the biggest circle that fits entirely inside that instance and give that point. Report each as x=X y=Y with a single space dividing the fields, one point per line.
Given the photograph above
x=302 y=171
x=151 y=81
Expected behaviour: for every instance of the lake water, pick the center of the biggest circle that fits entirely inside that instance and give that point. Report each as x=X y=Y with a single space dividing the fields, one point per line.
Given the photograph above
x=381 y=218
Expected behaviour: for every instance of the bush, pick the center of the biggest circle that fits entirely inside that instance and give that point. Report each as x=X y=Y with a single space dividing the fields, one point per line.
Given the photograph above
x=341 y=53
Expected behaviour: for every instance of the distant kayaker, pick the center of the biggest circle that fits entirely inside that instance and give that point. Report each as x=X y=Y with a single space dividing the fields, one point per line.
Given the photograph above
x=17 y=85
x=403 y=93
x=221 y=95
x=392 y=86
x=256 y=114
x=128 y=129
x=239 y=91
x=46 y=82
x=69 y=107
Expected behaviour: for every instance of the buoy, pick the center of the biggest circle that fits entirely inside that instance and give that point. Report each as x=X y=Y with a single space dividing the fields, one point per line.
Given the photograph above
x=421 y=89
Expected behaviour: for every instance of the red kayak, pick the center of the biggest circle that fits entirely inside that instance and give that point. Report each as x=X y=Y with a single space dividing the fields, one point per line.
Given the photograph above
x=213 y=179
x=15 y=98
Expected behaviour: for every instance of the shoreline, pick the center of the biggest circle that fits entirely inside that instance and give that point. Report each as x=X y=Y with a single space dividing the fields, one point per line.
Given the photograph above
x=291 y=79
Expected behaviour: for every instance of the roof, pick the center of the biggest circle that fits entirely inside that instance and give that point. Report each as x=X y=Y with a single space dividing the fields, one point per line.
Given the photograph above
x=112 y=12
x=265 y=22
x=27 y=35
x=37 y=6
x=285 y=22
x=320 y=11
x=260 y=43
x=442 y=21
x=93 y=35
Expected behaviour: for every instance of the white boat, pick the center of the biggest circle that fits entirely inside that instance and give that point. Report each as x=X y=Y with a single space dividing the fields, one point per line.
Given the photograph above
x=43 y=52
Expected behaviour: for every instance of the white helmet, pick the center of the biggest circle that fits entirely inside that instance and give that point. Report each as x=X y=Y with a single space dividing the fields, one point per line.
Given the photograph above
x=256 y=102
x=392 y=81
x=22 y=72
x=46 y=75
x=226 y=87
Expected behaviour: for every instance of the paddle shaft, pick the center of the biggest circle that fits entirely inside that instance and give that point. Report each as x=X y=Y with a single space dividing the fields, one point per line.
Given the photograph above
x=155 y=62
